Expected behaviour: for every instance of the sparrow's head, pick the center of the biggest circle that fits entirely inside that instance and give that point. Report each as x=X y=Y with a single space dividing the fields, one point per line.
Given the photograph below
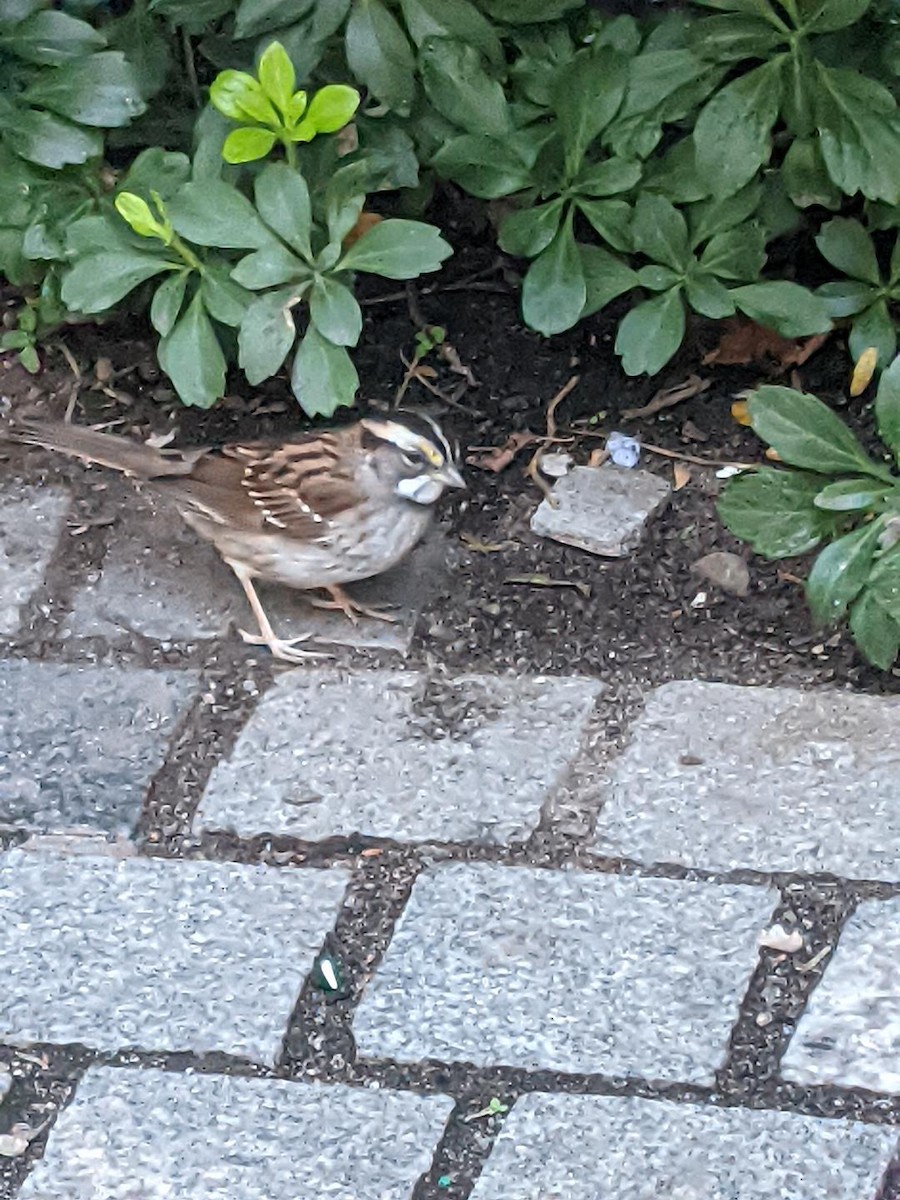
x=417 y=454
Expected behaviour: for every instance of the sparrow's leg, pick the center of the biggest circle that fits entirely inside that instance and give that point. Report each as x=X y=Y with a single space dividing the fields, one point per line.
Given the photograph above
x=284 y=649
x=350 y=607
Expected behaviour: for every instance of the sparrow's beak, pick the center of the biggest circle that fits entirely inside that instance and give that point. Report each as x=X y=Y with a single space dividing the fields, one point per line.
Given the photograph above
x=449 y=476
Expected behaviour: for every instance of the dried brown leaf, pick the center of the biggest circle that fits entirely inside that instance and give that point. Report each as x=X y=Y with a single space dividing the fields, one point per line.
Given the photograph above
x=744 y=341
x=498 y=458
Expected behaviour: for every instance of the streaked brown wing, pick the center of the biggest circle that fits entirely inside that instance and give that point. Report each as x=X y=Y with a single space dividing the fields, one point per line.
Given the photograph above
x=299 y=485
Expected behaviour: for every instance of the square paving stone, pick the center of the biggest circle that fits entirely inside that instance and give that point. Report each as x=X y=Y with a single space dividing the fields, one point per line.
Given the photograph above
x=396 y=754
x=151 y=1135
x=605 y=1148
x=161 y=580
x=572 y=972
x=79 y=745
x=601 y=509
x=775 y=779
x=850 y=1032
x=31 y=520
x=157 y=954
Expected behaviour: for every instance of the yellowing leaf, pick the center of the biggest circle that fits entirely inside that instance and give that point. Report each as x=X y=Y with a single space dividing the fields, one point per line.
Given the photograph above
x=863 y=370
x=773 y=455
x=682 y=476
x=741 y=412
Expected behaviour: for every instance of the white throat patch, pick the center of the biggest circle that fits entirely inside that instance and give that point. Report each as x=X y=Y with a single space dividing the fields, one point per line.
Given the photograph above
x=421 y=490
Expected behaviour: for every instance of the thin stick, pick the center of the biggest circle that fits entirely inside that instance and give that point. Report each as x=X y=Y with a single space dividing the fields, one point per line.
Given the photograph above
x=469 y=283
x=699 y=462
x=534 y=465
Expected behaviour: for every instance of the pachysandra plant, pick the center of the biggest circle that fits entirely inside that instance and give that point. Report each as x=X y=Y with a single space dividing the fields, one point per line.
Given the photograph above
x=253 y=266
x=830 y=492
x=842 y=125
x=868 y=295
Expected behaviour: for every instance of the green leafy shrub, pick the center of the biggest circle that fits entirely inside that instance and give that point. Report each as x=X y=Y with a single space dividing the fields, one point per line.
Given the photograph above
x=232 y=263
x=831 y=492
x=868 y=294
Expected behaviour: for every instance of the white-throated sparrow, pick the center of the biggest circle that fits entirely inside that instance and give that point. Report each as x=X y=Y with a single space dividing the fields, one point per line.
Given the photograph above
x=315 y=511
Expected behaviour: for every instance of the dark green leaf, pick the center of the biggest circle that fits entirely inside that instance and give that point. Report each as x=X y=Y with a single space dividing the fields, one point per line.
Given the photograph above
x=138 y=35
x=99 y=281
x=846 y=297
x=282 y=200
x=586 y=98
x=334 y=311
x=213 y=213
x=848 y=247
x=380 y=56
x=736 y=255
x=733 y=134
x=659 y=230
x=397 y=249
x=707 y=296
x=459 y=87
x=486 y=167
x=554 y=291
x=791 y=309
x=49 y=141
x=254 y=17
x=225 y=300
x=192 y=358
x=460 y=20
x=167 y=301
x=875 y=631
x=156 y=170
x=269 y=267
x=887 y=408
x=775 y=512
x=806 y=433
x=874 y=329
x=52 y=38
x=822 y=16
x=657 y=278
x=850 y=495
x=608 y=177
x=611 y=219
x=734 y=37
x=605 y=277
x=524 y=12
x=839 y=572
x=722 y=214
x=805 y=176
x=651 y=333
x=884 y=581
x=528 y=232
x=675 y=174
x=323 y=376
x=860 y=134
x=267 y=333
x=101 y=89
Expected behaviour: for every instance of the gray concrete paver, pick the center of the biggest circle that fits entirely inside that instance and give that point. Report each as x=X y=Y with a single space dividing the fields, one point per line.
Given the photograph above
x=557 y=1147
x=395 y=754
x=773 y=779
x=157 y=954
x=79 y=744
x=31 y=521
x=562 y=970
x=154 y=1135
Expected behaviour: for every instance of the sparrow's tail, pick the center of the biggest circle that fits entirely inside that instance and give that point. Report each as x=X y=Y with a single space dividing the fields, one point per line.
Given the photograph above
x=133 y=458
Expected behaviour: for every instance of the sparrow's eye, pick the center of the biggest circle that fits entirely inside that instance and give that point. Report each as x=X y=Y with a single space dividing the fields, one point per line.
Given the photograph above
x=414 y=458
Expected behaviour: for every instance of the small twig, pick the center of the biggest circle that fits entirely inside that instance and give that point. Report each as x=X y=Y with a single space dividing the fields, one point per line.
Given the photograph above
x=534 y=465
x=191 y=68
x=469 y=284
x=713 y=463
x=667 y=397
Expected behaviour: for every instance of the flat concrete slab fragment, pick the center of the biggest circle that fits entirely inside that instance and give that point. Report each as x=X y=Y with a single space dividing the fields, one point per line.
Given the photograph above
x=155 y=1135
x=157 y=954
x=601 y=509
x=774 y=779
x=399 y=755
x=611 y=1148
x=80 y=744
x=574 y=972
x=850 y=1032
x=31 y=520
x=162 y=581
